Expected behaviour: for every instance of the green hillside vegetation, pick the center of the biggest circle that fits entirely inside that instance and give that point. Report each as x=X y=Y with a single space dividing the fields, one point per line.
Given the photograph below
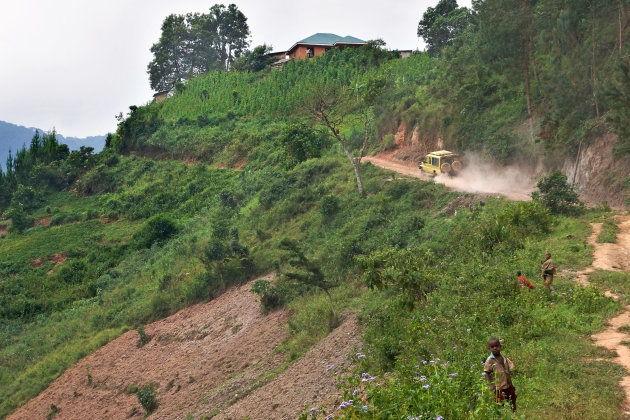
x=197 y=193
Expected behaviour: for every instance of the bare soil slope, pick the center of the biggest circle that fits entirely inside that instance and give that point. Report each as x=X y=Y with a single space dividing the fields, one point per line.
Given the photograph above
x=305 y=384
x=201 y=360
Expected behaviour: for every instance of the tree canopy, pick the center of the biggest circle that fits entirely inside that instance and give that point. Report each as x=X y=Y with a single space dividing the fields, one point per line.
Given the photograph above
x=441 y=24
x=196 y=43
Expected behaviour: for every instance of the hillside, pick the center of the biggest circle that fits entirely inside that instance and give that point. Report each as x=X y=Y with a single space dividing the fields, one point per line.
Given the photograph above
x=168 y=235
x=202 y=367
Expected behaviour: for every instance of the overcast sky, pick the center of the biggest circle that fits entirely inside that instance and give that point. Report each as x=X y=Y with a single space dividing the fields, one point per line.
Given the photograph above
x=74 y=64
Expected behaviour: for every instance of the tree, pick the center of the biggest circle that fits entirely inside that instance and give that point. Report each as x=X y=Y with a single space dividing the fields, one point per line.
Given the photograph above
x=254 y=60
x=231 y=29
x=196 y=43
x=307 y=271
x=339 y=108
x=171 y=60
x=442 y=24
x=557 y=195
x=618 y=94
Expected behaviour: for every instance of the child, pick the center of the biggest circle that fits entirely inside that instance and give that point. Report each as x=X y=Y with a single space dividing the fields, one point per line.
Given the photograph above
x=548 y=271
x=522 y=281
x=498 y=369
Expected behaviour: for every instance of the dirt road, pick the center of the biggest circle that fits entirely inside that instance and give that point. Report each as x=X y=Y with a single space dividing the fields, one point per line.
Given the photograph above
x=476 y=177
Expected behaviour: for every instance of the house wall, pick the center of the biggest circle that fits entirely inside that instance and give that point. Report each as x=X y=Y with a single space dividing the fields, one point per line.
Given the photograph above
x=159 y=97
x=300 y=52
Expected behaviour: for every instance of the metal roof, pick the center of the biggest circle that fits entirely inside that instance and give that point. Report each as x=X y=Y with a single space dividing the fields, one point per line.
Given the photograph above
x=330 y=39
x=441 y=153
x=321 y=38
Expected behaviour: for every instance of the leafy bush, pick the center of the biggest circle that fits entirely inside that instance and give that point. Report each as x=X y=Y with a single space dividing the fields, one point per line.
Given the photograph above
x=27 y=196
x=156 y=229
x=19 y=219
x=389 y=142
x=270 y=295
x=330 y=205
x=65 y=217
x=406 y=270
x=147 y=396
x=143 y=337
x=557 y=195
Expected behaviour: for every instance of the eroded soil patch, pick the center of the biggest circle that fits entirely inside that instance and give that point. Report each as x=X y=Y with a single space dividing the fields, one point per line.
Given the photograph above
x=42 y=222
x=309 y=382
x=215 y=358
x=56 y=259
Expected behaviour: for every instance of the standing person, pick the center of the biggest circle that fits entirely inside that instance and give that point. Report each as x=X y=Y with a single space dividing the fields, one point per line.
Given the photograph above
x=548 y=271
x=498 y=370
x=522 y=281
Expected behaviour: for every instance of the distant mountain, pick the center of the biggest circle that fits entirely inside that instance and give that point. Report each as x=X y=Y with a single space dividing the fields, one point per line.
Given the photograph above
x=13 y=137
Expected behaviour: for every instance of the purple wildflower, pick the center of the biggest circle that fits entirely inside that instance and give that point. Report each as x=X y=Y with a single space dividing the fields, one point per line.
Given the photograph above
x=426 y=386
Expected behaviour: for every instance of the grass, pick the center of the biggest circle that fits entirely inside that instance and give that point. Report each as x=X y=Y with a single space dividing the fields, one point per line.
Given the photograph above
x=616 y=281
x=609 y=231
x=311 y=318
x=478 y=284
x=476 y=298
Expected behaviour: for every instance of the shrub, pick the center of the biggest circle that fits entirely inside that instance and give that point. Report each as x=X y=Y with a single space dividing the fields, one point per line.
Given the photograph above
x=389 y=142
x=270 y=296
x=143 y=337
x=330 y=205
x=557 y=195
x=160 y=306
x=203 y=287
x=158 y=228
x=73 y=273
x=62 y=218
x=147 y=396
x=27 y=197
x=19 y=220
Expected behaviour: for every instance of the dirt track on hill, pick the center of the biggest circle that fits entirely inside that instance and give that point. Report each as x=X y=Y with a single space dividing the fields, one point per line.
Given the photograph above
x=478 y=177
x=205 y=359
x=614 y=257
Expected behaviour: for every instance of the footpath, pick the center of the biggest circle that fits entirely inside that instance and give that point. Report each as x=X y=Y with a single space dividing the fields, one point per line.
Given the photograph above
x=613 y=257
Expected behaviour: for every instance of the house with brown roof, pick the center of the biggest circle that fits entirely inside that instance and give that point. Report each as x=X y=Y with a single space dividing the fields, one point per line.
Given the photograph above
x=314 y=46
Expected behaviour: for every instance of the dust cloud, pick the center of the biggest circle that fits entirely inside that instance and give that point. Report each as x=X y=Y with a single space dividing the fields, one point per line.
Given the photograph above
x=478 y=176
